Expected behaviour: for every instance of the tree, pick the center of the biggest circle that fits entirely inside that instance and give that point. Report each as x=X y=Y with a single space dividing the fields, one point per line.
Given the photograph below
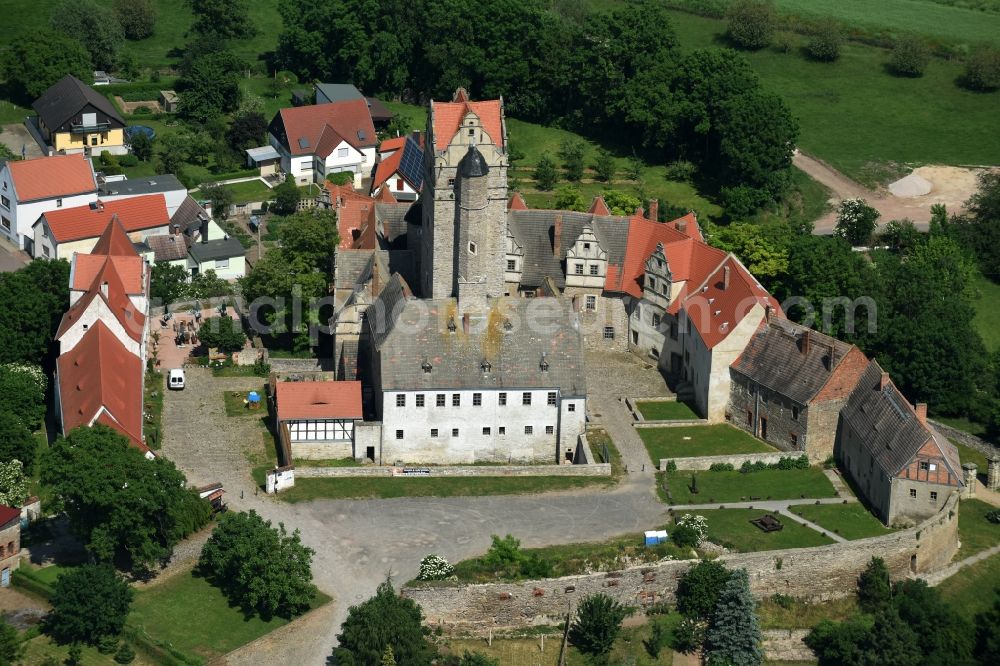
x=900 y=236
x=988 y=630
x=260 y=568
x=24 y=387
x=13 y=483
x=751 y=23
x=910 y=55
x=734 y=637
x=982 y=69
x=944 y=636
x=208 y=285
x=11 y=647
x=174 y=152
x=286 y=197
x=224 y=333
x=142 y=146
x=136 y=17
x=311 y=236
x=979 y=230
x=698 y=591
x=96 y=26
x=221 y=198
x=388 y=659
x=118 y=502
x=572 y=152
x=856 y=221
x=16 y=441
x=840 y=643
x=545 y=173
x=385 y=620
x=222 y=19
x=210 y=81
x=763 y=249
x=874 y=587
x=35 y=298
x=168 y=282
x=605 y=165
x=569 y=198
x=633 y=168
x=37 y=59
x=89 y=602
x=597 y=624
x=621 y=203
x=247 y=131
x=824 y=43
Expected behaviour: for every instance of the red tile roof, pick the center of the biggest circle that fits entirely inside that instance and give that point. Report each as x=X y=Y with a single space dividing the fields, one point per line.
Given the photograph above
x=134 y=214
x=448 y=117
x=322 y=126
x=352 y=211
x=8 y=515
x=52 y=177
x=319 y=400
x=99 y=373
x=86 y=267
x=517 y=202
x=599 y=207
x=385 y=196
x=643 y=236
x=386 y=167
x=395 y=143
x=114 y=241
x=117 y=300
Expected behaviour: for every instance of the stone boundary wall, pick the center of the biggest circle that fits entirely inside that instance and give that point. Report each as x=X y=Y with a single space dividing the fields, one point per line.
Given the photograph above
x=736 y=460
x=596 y=469
x=641 y=421
x=814 y=574
x=968 y=439
x=676 y=423
x=185 y=306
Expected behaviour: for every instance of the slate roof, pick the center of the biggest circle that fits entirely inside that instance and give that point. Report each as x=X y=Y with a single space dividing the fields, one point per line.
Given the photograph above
x=168 y=247
x=188 y=216
x=52 y=177
x=339 y=92
x=67 y=98
x=888 y=428
x=318 y=400
x=393 y=218
x=407 y=333
x=349 y=266
x=220 y=248
x=779 y=358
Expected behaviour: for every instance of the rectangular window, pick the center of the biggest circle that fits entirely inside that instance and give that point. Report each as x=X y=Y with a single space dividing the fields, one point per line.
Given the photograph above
x=656 y=320
x=486 y=431
x=58 y=203
x=5 y=201
x=477 y=399
x=502 y=431
x=924 y=466
x=434 y=432
x=795 y=413
x=933 y=496
x=913 y=493
x=401 y=400
x=456 y=399
x=503 y=399
x=571 y=407
x=511 y=265
x=399 y=184
x=549 y=430
x=342 y=152
x=749 y=417
x=578 y=269
x=593 y=269
x=399 y=434
x=440 y=399
x=551 y=398
x=609 y=333
x=528 y=430
x=5 y=223
x=454 y=432
x=795 y=441
x=591 y=302
x=526 y=398
x=652 y=284
x=45 y=250
x=420 y=400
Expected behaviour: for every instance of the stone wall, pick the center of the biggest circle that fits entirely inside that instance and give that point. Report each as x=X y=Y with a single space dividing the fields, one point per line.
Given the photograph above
x=814 y=574
x=979 y=444
x=596 y=469
x=705 y=462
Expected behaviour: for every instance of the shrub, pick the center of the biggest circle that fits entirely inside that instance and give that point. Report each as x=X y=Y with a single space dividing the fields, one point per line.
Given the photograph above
x=993 y=516
x=341 y=178
x=681 y=170
x=824 y=44
x=684 y=536
x=142 y=111
x=107 y=644
x=783 y=600
x=982 y=69
x=128 y=160
x=721 y=467
x=909 y=56
x=434 y=567
x=783 y=43
x=751 y=23
x=125 y=654
x=697 y=523
x=671 y=466
x=598 y=622
x=261 y=368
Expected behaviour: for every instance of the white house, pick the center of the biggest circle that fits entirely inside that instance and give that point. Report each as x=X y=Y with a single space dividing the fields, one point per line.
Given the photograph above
x=400 y=171
x=29 y=188
x=57 y=234
x=173 y=190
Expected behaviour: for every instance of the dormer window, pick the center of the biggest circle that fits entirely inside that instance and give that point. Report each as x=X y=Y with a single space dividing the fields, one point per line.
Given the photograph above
x=544 y=364
x=426 y=366
x=486 y=366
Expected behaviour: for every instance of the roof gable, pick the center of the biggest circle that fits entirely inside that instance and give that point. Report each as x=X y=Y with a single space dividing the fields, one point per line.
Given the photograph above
x=450 y=116
x=724 y=299
x=52 y=177
x=67 y=98
x=109 y=288
x=87 y=267
x=114 y=241
x=302 y=128
x=90 y=221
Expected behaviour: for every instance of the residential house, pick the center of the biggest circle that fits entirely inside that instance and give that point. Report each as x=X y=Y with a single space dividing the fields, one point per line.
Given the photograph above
x=173 y=190
x=197 y=242
x=29 y=188
x=74 y=118
x=265 y=158
x=326 y=93
x=321 y=139
x=318 y=417
x=352 y=211
x=10 y=543
x=904 y=469
x=60 y=233
x=790 y=384
x=401 y=171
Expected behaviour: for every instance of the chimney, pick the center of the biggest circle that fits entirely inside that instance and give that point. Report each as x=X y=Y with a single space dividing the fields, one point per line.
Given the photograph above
x=725 y=278
x=175 y=228
x=640 y=212
x=465 y=323
x=804 y=342
x=883 y=381
x=768 y=311
x=654 y=209
x=204 y=231
x=682 y=226
x=921 y=409
x=557 y=235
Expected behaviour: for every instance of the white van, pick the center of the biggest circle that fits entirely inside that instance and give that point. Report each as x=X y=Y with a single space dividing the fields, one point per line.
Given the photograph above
x=175 y=379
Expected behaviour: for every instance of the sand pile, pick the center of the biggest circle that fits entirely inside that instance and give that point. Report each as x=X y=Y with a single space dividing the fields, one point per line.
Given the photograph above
x=911 y=186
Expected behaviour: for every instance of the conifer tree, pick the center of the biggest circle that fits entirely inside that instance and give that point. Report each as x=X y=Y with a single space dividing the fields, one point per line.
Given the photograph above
x=734 y=637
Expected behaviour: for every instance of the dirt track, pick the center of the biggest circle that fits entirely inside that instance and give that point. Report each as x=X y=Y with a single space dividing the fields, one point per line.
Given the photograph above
x=951 y=186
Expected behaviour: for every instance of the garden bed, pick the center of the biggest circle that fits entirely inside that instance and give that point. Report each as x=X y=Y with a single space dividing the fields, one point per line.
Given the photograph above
x=706 y=440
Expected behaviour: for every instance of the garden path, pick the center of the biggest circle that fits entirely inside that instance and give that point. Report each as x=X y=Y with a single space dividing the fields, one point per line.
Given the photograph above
x=811 y=525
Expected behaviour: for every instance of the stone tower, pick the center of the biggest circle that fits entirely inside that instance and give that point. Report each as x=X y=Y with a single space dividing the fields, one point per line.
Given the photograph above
x=464 y=199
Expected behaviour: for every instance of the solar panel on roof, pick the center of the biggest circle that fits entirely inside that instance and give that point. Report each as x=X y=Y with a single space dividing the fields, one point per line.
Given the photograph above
x=411 y=163
x=303 y=142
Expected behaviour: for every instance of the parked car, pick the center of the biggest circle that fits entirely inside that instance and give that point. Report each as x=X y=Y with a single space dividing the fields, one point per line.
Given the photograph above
x=175 y=379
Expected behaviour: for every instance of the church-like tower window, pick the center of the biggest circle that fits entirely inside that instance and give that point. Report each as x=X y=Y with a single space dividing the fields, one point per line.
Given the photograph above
x=472 y=248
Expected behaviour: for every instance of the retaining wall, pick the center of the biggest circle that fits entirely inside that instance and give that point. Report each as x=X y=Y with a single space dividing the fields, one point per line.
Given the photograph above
x=970 y=440
x=815 y=574
x=736 y=460
x=596 y=469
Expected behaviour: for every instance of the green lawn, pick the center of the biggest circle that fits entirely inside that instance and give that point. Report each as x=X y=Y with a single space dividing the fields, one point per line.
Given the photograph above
x=966 y=454
x=659 y=410
x=798 y=614
x=365 y=488
x=732 y=528
x=191 y=616
x=851 y=521
x=974 y=531
x=251 y=190
x=235 y=407
x=720 y=487
x=598 y=439
x=972 y=590
x=852 y=112
x=708 y=440
x=987 y=319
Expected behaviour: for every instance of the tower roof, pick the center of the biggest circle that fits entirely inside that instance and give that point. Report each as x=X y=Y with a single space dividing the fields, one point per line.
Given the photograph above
x=473 y=165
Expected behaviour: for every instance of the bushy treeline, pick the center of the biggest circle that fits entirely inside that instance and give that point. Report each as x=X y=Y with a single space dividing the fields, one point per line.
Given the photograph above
x=616 y=74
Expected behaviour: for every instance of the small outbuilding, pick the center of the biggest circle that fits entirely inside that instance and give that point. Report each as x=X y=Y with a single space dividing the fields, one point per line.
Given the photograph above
x=316 y=418
x=169 y=101
x=10 y=543
x=265 y=158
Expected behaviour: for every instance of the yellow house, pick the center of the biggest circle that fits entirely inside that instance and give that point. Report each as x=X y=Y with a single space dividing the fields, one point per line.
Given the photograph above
x=74 y=118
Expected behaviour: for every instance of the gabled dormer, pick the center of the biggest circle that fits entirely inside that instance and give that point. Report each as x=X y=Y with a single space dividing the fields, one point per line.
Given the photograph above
x=586 y=261
x=657 y=279
x=514 y=262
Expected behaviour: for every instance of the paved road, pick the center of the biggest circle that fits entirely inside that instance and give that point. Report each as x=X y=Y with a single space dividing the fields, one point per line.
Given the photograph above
x=11 y=259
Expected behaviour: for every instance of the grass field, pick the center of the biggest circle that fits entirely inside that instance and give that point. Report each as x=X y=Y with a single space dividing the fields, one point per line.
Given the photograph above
x=251 y=190
x=190 y=615
x=972 y=590
x=974 y=531
x=720 y=487
x=987 y=319
x=709 y=440
x=798 y=614
x=663 y=410
x=965 y=454
x=235 y=406
x=852 y=112
x=732 y=528
x=851 y=521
